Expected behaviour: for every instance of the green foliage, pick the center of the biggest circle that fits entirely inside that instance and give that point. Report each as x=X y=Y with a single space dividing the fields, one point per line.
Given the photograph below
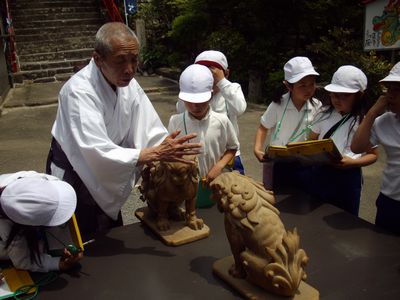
x=158 y=16
x=258 y=37
x=153 y=57
x=338 y=48
x=233 y=45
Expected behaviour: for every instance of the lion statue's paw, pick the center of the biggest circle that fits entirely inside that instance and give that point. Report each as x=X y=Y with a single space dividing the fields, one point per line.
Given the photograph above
x=163 y=224
x=237 y=272
x=195 y=223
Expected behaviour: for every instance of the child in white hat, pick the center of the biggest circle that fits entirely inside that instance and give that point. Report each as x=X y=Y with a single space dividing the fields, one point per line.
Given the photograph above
x=29 y=202
x=228 y=97
x=381 y=125
x=341 y=183
x=287 y=119
x=214 y=130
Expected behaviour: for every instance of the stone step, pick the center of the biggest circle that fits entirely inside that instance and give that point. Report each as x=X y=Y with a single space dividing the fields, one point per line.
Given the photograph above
x=60 y=30
x=44 y=24
x=18 y=4
x=54 y=46
x=26 y=18
x=52 y=10
x=46 y=36
x=31 y=76
x=54 y=37
x=53 y=56
x=40 y=65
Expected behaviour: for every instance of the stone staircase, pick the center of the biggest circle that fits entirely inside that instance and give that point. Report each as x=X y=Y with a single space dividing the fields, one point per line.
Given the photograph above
x=53 y=37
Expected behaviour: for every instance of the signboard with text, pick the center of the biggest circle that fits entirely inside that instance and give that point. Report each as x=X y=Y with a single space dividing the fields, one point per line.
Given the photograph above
x=382 y=25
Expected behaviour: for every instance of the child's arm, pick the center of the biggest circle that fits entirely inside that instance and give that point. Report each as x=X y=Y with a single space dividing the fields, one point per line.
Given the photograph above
x=231 y=91
x=367 y=159
x=362 y=136
x=217 y=168
x=259 y=142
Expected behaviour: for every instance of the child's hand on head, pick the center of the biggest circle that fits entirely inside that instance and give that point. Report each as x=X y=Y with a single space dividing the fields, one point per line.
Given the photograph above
x=218 y=74
x=380 y=105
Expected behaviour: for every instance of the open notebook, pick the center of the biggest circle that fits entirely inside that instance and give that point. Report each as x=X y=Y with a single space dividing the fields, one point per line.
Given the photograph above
x=12 y=281
x=308 y=152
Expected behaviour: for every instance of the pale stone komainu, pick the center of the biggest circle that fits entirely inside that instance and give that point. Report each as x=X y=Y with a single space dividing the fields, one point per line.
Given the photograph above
x=265 y=254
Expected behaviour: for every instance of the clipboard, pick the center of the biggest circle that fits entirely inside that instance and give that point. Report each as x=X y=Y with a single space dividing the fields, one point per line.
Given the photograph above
x=308 y=152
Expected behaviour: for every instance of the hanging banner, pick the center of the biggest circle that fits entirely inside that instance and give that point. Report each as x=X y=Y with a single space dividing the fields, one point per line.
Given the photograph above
x=131 y=6
x=382 y=26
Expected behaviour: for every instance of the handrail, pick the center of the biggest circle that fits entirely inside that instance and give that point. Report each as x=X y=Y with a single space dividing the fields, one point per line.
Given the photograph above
x=112 y=11
x=12 y=57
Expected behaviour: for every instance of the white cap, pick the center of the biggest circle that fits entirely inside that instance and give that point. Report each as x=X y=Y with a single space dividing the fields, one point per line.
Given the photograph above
x=37 y=201
x=394 y=74
x=195 y=84
x=212 y=58
x=297 y=68
x=347 y=79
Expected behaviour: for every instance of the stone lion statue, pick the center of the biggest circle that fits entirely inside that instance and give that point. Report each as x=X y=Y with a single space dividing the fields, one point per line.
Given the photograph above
x=264 y=252
x=165 y=186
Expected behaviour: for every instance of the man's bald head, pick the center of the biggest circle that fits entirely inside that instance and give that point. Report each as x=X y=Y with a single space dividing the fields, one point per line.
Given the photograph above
x=110 y=31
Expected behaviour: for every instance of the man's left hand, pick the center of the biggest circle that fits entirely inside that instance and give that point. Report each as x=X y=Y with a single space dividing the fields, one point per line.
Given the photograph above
x=171 y=149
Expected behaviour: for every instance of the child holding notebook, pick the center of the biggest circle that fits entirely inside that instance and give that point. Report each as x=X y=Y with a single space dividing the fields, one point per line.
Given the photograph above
x=286 y=120
x=341 y=183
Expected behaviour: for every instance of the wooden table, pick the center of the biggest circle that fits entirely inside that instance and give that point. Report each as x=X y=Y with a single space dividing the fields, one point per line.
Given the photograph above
x=349 y=259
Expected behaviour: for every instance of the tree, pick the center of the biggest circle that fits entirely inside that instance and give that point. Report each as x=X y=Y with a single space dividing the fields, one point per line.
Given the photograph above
x=258 y=37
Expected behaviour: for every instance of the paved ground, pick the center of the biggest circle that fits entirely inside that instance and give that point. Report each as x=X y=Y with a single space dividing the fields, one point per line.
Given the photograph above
x=28 y=114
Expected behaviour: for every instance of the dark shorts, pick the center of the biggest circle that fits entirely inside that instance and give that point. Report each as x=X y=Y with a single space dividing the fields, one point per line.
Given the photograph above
x=237 y=165
x=340 y=187
x=388 y=213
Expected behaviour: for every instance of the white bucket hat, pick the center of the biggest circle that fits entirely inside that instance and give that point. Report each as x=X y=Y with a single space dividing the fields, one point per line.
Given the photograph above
x=212 y=58
x=394 y=74
x=195 y=84
x=37 y=201
x=347 y=79
x=297 y=68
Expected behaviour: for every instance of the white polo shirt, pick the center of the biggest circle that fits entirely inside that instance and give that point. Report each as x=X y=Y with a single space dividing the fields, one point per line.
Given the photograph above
x=229 y=100
x=215 y=132
x=342 y=136
x=293 y=122
x=386 y=131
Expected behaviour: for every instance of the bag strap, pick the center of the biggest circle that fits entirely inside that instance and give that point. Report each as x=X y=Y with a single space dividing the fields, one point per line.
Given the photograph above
x=332 y=130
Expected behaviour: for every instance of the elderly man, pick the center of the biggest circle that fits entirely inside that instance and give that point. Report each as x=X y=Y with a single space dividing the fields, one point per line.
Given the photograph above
x=106 y=129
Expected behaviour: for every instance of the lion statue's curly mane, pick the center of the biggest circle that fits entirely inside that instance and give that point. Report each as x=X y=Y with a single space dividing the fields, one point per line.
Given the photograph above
x=264 y=252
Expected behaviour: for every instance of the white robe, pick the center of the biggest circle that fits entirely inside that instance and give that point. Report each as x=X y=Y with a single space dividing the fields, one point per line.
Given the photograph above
x=102 y=132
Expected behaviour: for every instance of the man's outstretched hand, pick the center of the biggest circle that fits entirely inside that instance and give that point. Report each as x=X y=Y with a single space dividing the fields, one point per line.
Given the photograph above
x=171 y=149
